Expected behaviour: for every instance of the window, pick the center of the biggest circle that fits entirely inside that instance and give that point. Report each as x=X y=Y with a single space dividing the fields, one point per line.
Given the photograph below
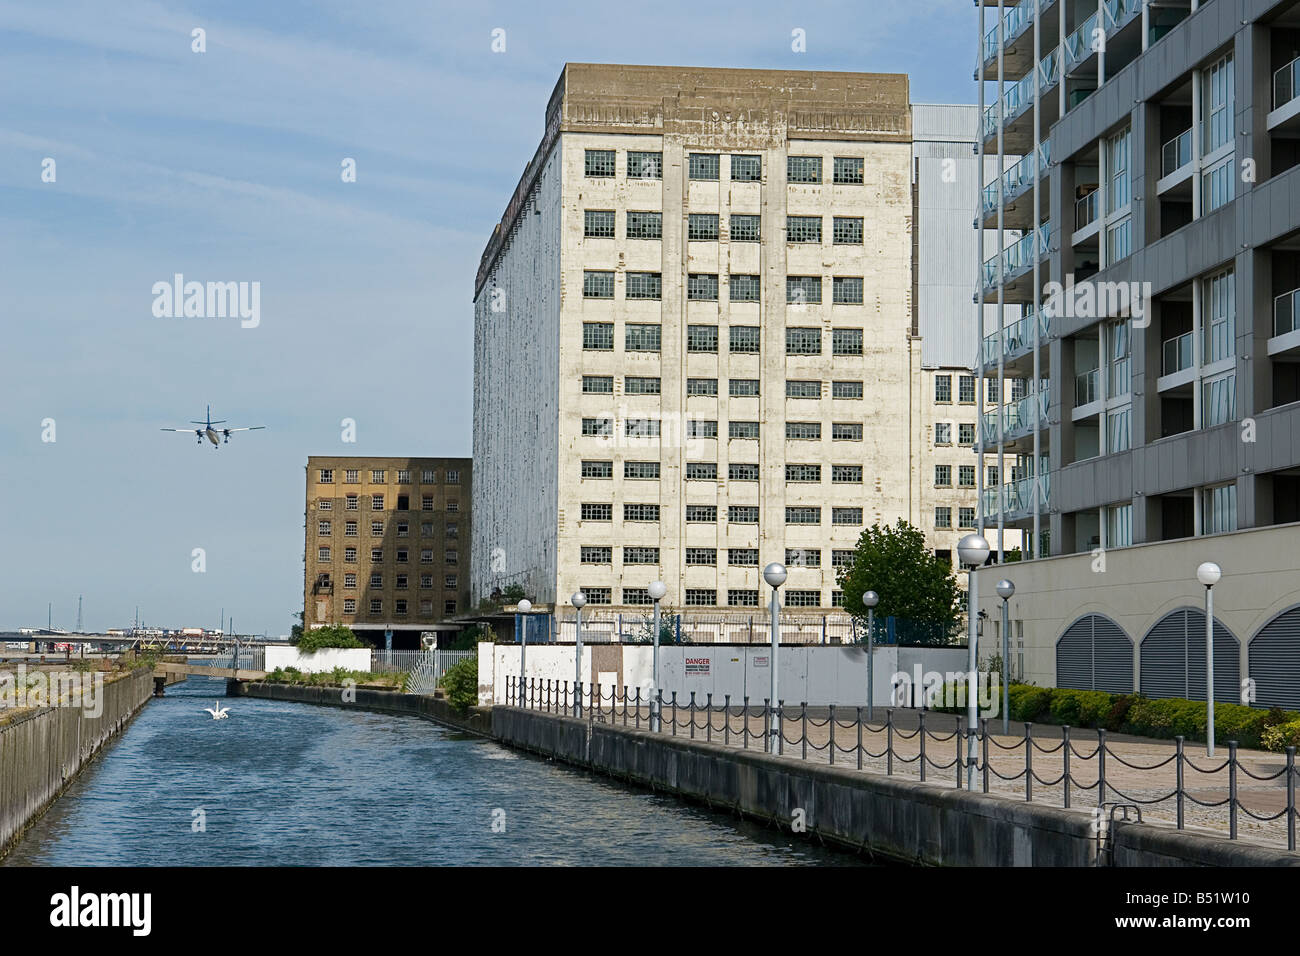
x=641 y=338
x=327 y=476
x=597 y=469
x=846 y=431
x=966 y=389
x=700 y=428
x=743 y=288
x=966 y=476
x=842 y=558
x=802 y=598
x=803 y=515
x=598 y=426
x=377 y=476
x=991 y=391
x=702 y=226
x=640 y=469
x=803 y=341
x=1119 y=526
x=1119 y=240
x=942 y=433
x=742 y=387
x=1117 y=430
x=450 y=557
x=1117 y=161
x=598 y=336
x=376 y=554
x=640 y=512
x=598 y=595
x=639 y=555
x=376 y=580
x=376 y=502
x=943 y=388
x=401 y=582
x=702 y=556
x=943 y=517
x=597 y=285
x=597 y=512
x=846 y=474
x=701 y=338
x=847 y=230
x=742 y=514
x=592 y=385
x=943 y=476
x=351 y=476
x=701 y=471
x=846 y=389
x=742 y=429
x=851 y=516
x=1219 y=509
x=992 y=481
x=427 y=477
x=743 y=557
x=426 y=529
x=349 y=605
x=1219 y=303
x=351 y=502
x=1217 y=103
x=742 y=471
x=966 y=517
x=1219 y=400
x=449 y=606
x=325 y=504
x=803 y=557
x=641 y=427
x=701 y=386
x=640 y=385
x=645 y=225
x=598 y=162
x=837 y=599
x=323 y=527
x=742 y=597
x=846 y=341
x=803 y=290
x=636 y=596
x=645 y=165
x=703 y=165
x=965 y=433
x=349 y=554
x=426 y=555
x=350 y=529
x=323 y=554
x=743 y=228
x=803 y=169
x=743 y=338
x=598 y=223
x=803 y=430
x=426 y=502
x=803 y=229
x=803 y=473
x=846 y=290
x=376 y=606
x=644 y=285
x=403 y=502
x=803 y=389
x=848 y=170
x=702 y=287
x=404 y=529
x=350 y=579
x=746 y=169
x=702 y=514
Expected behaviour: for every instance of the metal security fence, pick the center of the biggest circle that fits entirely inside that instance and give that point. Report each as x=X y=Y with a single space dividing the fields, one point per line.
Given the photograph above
x=732 y=628
x=1041 y=767
x=248 y=657
x=394 y=662
x=430 y=666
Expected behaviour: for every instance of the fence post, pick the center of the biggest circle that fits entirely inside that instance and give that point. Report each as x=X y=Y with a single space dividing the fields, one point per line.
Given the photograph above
x=1101 y=767
x=889 y=743
x=984 y=749
x=768 y=717
x=1290 y=798
x=1029 y=762
x=803 y=731
x=780 y=729
x=638 y=708
x=692 y=715
x=726 y=720
x=831 y=724
x=674 y=713
x=920 y=735
x=1065 y=769
x=958 y=738
x=708 y=733
x=1232 y=790
x=746 y=723
x=859 y=715
x=1178 y=763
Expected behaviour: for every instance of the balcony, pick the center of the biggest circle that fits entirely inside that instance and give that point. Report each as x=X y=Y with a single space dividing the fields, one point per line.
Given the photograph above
x=1285 y=115
x=1176 y=354
x=1018 y=257
x=1079 y=45
x=1286 y=325
x=1017 y=180
x=1015 y=499
x=1019 y=337
x=1018 y=417
x=1014 y=21
x=1020 y=96
x=1086 y=209
x=1087 y=387
x=1176 y=153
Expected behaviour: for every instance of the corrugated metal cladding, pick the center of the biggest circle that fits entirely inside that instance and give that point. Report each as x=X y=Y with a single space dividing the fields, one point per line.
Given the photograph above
x=1275 y=662
x=1094 y=653
x=1173 y=659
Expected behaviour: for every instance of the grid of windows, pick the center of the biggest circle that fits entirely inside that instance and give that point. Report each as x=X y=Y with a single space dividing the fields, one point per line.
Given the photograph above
x=803 y=290
x=742 y=597
x=846 y=431
x=598 y=223
x=943 y=476
x=642 y=165
x=746 y=169
x=702 y=286
x=644 y=285
x=796 y=388
x=598 y=285
x=702 y=226
x=640 y=512
x=598 y=426
x=803 y=430
x=846 y=474
x=640 y=469
x=701 y=471
x=702 y=556
x=943 y=388
x=641 y=427
x=705 y=514
x=641 y=338
x=803 y=229
x=743 y=338
x=594 y=385
x=742 y=471
x=645 y=225
x=636 y=596
x=848 y=170
x=966 y=388
x=743 y=228
x=701 y=597
x=743 y=288
x=803 y=557
x=742 y=387
x=966 y=517
x=847 y=230
x=701 y=428
x=598 y=595
x=851 y=516
x=846 y=341
x=966 y=476
x=803 y=169
x=742 y=429
x=802 y=341
x=703 y=166
x=701 y=338
x=743 y=557
x=597 y=469
x=742 y=514
x=846 y=389
x=641 y=385
x=803 y=473
x=942 y=433
x=803 y=598
x=702 y=386
x=802 y=514
x=598 y=162
x=640 y=555
x=846 y=290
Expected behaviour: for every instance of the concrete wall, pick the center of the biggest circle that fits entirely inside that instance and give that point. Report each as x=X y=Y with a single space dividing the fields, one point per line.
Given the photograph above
x=417 y=705
x=41 y=752
x=326 y=659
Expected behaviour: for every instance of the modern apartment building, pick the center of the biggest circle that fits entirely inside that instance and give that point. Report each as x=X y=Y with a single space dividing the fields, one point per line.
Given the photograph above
x=1149 y=227
x=696 y=348
x=387 y=544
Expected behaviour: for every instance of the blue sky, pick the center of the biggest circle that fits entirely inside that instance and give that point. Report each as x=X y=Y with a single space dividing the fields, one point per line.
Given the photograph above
x=225 y=166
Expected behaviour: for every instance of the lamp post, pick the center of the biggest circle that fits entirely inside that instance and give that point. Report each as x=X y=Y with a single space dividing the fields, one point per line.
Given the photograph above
x=579 y=601
x=774 y=574
x=657 y=590
x=869 y=600
x=972 y=551
x=523 y=608
x=1209 y=574
x=1005 y=589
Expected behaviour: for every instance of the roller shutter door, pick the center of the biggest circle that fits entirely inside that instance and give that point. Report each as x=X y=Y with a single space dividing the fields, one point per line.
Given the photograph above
x=1094 y=653
x=1173 y=659
x=1275 y=662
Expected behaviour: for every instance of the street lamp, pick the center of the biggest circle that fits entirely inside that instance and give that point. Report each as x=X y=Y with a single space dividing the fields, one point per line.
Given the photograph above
x=1005 y=589
x=657 y=590
x=869 y=600
x=774 y=574
x=972 y=551
x=579 y=601
x=1209 y=574
x=523 y=608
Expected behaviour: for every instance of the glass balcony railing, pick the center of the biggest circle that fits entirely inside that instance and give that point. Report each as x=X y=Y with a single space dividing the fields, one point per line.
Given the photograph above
x=1176 y=354
x=1286 y=83
x=1021 y=94
x=1085 y=209
x=1087 y=387
x=1286 y=312
x=1017 y=415
x=1020 y=255
x=1017 y=179
x=1176 y=153
x=1017 y=497
x=1120 y=12
x=1013 y=21
x=1082 y=42
x=1019 y=335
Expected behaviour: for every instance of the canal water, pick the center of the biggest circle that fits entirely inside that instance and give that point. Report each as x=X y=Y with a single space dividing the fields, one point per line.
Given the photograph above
x=295 y=784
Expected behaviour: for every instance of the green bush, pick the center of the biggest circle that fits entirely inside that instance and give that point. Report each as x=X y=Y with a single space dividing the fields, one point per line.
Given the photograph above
x=1080 y=708
x=1279 y=736
x=461 y=684
x=1029 y=703
x=332 y=635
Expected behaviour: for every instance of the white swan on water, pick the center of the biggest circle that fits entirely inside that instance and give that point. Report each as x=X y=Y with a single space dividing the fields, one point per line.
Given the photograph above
x=217 y=711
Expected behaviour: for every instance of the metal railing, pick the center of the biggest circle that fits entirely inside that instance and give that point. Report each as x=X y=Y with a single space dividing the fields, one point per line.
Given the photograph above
x=1176 y=354
x=1286 y=312
x=1176 y=153
x=1286 y=83
x=1013 y=20
x=1018 y=336
x=706 y=629
x=1079 y=44
x=1017 y=178
x=908 y=746
x=1017 y=496
x=1085 y=209
x=394 y=662
x=1019 y=255
x=1087 y=387
x=1017 y=415
x=250 y=658
x=1021 y=94
x=431 y=665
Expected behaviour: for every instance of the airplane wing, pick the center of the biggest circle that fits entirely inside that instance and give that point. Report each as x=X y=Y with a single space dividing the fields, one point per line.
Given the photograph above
x=197 y=431
x=246 y=428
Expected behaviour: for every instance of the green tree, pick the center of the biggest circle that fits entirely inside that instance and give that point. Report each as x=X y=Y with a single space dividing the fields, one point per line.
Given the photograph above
x=331 y=635
x=295 y=635
x=912 y=583
x=512 y=594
